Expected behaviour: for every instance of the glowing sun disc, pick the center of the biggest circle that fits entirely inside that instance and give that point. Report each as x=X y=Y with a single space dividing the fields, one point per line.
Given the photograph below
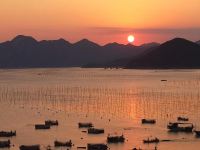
x=131 y=38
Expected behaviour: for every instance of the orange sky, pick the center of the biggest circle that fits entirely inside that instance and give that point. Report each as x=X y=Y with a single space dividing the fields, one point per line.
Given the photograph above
x=102 y=21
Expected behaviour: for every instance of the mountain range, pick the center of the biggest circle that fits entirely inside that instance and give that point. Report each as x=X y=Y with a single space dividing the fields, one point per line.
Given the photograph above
x=26 y=52
x=176 y=53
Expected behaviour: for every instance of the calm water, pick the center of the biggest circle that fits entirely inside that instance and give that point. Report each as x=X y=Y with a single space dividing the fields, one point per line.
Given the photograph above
x=29 y=96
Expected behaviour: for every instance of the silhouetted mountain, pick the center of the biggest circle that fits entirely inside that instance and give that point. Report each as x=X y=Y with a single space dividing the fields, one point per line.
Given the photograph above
x=198 y=42
x=85 y=43
x=125 y=51
x=25 y=51
x=117 y=55
x=150 y=45
x=21 y=39
x=176 y=53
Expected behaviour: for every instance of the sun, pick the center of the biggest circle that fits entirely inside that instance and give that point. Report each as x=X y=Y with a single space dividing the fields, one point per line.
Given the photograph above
x=131 y=38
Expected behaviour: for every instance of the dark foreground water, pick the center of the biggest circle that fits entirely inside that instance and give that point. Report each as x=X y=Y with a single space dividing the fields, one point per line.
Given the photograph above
x=29 y=96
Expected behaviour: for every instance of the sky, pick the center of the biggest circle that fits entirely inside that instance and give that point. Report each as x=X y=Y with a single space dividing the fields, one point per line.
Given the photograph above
x=102 y=21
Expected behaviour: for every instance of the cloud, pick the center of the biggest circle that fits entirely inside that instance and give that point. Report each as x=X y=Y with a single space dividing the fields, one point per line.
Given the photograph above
x=175 y=31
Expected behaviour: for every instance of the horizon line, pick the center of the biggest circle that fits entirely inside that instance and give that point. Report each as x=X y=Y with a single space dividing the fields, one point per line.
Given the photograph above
x=128 y=43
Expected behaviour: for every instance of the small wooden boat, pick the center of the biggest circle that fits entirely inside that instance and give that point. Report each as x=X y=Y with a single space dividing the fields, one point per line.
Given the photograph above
x=5 y=144
x=42 y=126
x=166 y=140
x=163 y=80
x=51 y=122
x=182 y=119
x=7 y=133
x=63 y=144
x=85 y=125
x=148 y=141
x=136 y=148
x=180 y=127
x=97 y=147
x=29 y=147
x=115 y=139
x=148 y=121
x=81 y=147
x=95 y=131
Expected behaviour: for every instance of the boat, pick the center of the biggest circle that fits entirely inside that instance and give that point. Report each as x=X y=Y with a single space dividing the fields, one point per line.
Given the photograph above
x=51 y=122
x=42 y=126
x=180 y=127
x=63 y=144
x=7 y=133
x=81 y=147
x=148 y=121
x=166 y=140
x=197 y=133
x=136 y=148
x=95 y=131
x=97 y=147
x=5 y=144
x=29 y=147
x=149 y=141
x=115 y=139
x=182 y=119
x=85 y=125
x=164 y=80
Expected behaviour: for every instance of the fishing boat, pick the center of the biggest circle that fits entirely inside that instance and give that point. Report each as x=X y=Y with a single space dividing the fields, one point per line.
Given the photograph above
x=81 y=147
x=182 y=119
x=29 y=147
x=42 y=126
x=163 y=80
x=63 y=144
x=5 y=144
x=95 y=131
x=51 y=122
x=85 y=125
x=149 y=141
x=180 y=127
x=148 y=121
x=136 y=148
x=7 y=133
x=115 y=139
x=97 y=146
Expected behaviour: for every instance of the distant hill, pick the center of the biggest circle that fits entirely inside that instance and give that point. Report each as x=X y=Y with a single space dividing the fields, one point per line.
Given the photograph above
x=123 y=55
x=176 y=53
x=198 y=42
x=24 y=51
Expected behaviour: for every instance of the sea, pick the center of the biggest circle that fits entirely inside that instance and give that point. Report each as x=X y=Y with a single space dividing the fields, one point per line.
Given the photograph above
x=113 y=99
